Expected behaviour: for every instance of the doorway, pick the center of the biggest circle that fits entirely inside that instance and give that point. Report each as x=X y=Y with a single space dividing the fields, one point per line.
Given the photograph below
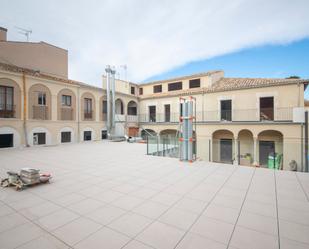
x=226 y=150
x=152 y=113
x=6 y=140
x=265 y=148
x=87 y=135
x=104 y=134
x=39 y=138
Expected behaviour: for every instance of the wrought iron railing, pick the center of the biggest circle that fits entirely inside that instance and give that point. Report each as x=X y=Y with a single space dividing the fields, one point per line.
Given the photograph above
x=88 y=115
x=237 y=115
x=7 y=111
x=66 y=113
x=40 y=112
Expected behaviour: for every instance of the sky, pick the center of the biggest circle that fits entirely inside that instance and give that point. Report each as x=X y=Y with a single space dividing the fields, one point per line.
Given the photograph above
x=157 y=39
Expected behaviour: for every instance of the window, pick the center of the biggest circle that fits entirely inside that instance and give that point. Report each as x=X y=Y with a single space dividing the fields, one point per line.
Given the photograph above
x=152 y=113
x=157 y=89
x=104 y=109
x=87 y=135
x=66 y=100
x=175 y=86
x=267 y=108
x=167 y=113
x=88 y=105
x=6 y=140
x=41 y=98
x=194 y=83
x=39 y=138
x=141 y=91
x=132 y=90
x=6 y=102
x=226 y=110
x=104 y=134
x=65 y=137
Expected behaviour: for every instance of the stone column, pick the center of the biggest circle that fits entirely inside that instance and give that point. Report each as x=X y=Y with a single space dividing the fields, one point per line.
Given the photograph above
x=255 y=158
x=236 y=152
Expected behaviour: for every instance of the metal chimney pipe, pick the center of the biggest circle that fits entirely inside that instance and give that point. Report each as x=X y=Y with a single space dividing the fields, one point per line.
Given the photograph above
x=113 y=72
x=108 y=96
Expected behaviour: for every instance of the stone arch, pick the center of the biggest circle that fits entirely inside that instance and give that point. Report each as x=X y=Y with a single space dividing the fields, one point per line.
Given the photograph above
x=37 y=108
x=119 y=106
x=66 y=129
x=147 y=132
x=245 y=147
x=132 y=108
x=39 y=129
x=103 y=108
x=12 y=109
x=65 y=111
x=223 y=146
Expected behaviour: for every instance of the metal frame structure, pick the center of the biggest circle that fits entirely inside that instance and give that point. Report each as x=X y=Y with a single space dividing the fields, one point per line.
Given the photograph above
x=187 y=124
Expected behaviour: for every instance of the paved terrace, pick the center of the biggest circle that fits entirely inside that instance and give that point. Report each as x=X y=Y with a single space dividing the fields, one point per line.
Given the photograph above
x=111 y=195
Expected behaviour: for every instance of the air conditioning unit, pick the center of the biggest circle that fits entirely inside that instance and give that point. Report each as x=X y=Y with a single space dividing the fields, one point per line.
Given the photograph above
x=299 y=115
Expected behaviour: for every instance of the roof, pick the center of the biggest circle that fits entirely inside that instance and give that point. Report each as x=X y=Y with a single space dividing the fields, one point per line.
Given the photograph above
x=182 y=77
x=230 y=84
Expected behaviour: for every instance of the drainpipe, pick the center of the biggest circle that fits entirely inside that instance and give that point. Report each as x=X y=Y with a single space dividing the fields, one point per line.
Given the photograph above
x=78 y=113
x=306 y=141
x=25 y=110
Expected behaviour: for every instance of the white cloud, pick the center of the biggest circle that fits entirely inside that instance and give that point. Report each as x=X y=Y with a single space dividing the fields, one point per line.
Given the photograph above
x=153 y=36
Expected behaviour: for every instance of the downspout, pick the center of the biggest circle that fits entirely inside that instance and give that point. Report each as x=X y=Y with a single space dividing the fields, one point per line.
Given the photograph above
x=25 y=110
x=78 y=114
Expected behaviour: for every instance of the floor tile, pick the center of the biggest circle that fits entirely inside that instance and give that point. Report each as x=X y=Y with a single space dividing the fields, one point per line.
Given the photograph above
x=178 y=218
x=45 y=242
x=86 y=206
x=244 y=238
x=105 y=214
x=150 y=209
x=294 y=231
x=11 y=220
x=76 y=230
x=56 y=219
x=194 y=241
x=104 y=238
x=130 y=224
x=40 y=210
x=127 y=202
x=213 y=229
x=160 y=236
x=191 y=205
x=290 y=244
x=259 y=223
x=294 y=215
x=222 y=213
x=136 y=245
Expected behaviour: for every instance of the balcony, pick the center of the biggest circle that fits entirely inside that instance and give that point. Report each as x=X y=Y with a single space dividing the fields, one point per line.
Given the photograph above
x=7 y=111
x=40 y=112
x=132 y=118
x=120 y=118
x=66 y=113
x=282 y=114
x=88 y=115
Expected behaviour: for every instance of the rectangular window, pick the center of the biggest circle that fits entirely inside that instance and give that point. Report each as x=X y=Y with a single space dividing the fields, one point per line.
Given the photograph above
x=194 y=83
x=140 y=91
x=104 y=134
x=104 y=109
x=133 y=90
x=6 y=140
x=88 y=105
x=6 y=102
x=87 y=135
x=152 y=113
x=157 y=89
x=167 y=113
x=65 y=137
x=39 y=138
x=267 y=108
x=175 y=86
x=41 y=98
x=66 y=100
x=226 y=110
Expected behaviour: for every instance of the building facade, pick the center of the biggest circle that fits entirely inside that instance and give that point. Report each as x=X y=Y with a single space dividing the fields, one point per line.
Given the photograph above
x=238 y=120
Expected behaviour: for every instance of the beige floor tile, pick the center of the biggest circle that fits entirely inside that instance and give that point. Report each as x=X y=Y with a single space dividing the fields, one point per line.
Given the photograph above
x=178 y=218
x=290 y=244
x=130 y=224
x=136 y=245
x=191 y=205
x=260 y=208
x=46 y=241
x=40 y=210
x=105 y=214
x=104 y=238
x=294 y=216
x=127 y=202
x=150 y=209
x=86 y=206
x=160 y=236
x=294 y=231
x=11 y=220
x=244 y=238
x=194 y=241
x=213 y=229
x=222 y=213
x=76 y=230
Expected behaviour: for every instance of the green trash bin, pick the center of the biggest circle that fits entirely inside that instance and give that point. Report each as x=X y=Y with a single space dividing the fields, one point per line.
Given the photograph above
x=274 y=161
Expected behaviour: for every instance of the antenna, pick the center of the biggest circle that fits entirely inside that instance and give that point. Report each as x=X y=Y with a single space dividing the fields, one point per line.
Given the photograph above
x=25 y=32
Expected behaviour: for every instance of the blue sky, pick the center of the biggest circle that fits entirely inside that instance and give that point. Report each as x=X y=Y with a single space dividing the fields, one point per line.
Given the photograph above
x=272 y=61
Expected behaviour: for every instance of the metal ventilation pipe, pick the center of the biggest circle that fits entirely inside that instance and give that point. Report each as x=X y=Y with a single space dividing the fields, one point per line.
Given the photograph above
x=113 y=72
x=108 y=99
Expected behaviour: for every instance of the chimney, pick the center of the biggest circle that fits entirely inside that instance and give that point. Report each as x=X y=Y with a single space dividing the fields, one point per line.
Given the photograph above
x=3 y=33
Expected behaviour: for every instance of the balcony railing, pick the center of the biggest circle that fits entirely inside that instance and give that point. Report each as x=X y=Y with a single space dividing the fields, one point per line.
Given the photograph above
x=40 y=112
x=132 y=118
x=66 y=113
x=7 y=111
x=282 y=114
x=88 y=115
x=120 y=117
